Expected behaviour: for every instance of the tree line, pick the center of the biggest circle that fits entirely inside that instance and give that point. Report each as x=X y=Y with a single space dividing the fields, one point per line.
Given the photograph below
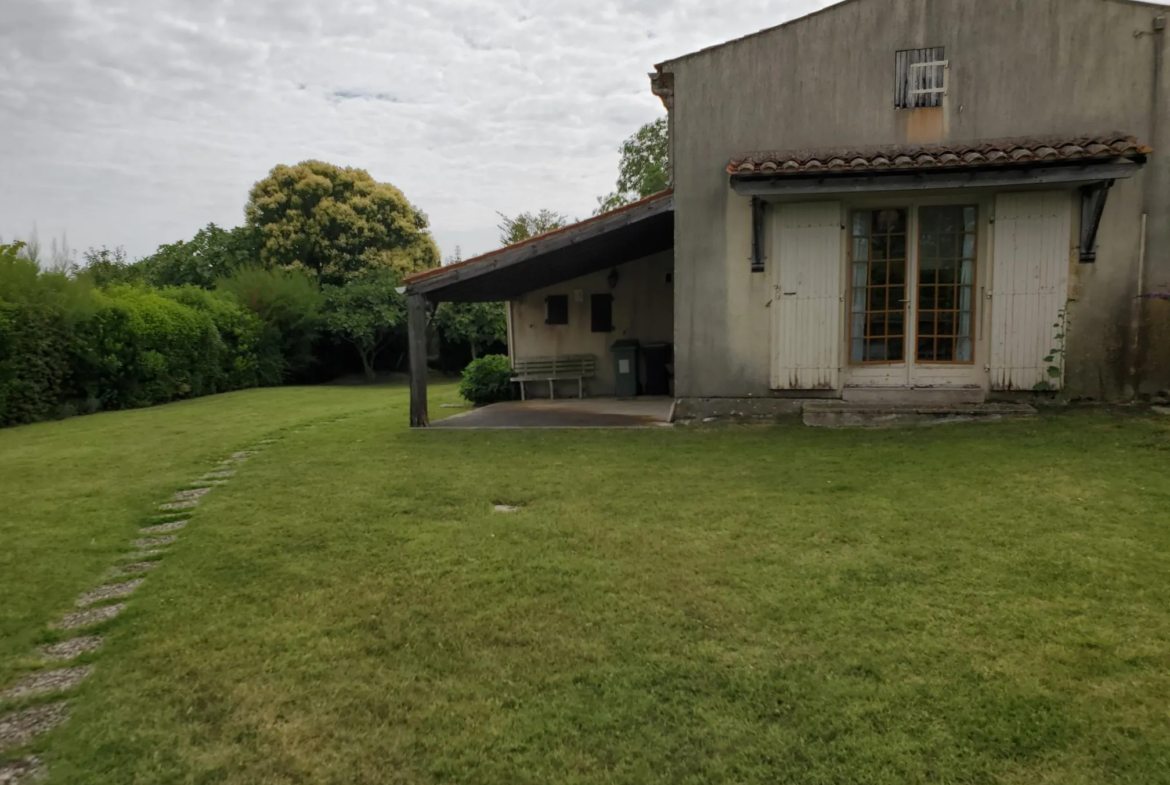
x=314 y=268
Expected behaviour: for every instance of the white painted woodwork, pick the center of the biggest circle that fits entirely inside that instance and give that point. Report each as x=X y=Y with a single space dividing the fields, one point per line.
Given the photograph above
x=1029 y=285
x=807 y=296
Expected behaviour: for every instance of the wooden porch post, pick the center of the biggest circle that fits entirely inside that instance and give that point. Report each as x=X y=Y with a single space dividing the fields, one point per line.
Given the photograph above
x=416 y=341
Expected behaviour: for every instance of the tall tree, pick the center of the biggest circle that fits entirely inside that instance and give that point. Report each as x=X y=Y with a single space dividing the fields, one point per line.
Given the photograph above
x=476 y=324
x=338 y=222
x=644 y=167
x=526 y=225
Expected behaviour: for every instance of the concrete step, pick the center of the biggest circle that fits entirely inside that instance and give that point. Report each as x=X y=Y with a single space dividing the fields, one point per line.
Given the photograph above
x=924 y=396
x=847 y=414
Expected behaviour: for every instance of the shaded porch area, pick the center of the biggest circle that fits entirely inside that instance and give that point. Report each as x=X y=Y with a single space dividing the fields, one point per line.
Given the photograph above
x=643 y=412
x=574 y=296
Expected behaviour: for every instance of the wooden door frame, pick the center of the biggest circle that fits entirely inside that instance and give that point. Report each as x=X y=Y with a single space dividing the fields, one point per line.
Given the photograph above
x=911 y=374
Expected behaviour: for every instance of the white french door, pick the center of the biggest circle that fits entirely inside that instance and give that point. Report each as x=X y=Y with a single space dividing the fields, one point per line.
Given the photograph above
x=912 y=302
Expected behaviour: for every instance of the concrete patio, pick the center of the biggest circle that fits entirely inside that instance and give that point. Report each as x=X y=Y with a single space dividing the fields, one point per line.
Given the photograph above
x=565 y=413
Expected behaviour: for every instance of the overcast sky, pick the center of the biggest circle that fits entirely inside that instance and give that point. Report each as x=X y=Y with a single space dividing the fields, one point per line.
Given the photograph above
x=136 y=122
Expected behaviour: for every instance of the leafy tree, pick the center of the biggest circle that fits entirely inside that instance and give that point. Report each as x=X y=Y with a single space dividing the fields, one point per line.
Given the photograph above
x=367 y=311
x=526 y=225
x=289 y=303
x=644 y=167
x=10 y=253
x=337 y=222
x=481 y=324
x=105 y=267
x=476 y=324
x=213 y=253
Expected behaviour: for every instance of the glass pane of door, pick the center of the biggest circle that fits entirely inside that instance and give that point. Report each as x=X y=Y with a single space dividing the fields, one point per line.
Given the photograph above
x=877 y=302
x=946 y=283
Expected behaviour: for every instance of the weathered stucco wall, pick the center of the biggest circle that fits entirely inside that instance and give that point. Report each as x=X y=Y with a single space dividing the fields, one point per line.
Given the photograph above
x=1041 y=67
x=643 y=308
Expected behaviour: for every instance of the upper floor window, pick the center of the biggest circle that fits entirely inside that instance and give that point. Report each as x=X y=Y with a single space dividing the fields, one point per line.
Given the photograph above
x=920 y=77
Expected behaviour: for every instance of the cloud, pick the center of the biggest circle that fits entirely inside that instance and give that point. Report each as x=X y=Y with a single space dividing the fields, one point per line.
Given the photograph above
x=136 y=122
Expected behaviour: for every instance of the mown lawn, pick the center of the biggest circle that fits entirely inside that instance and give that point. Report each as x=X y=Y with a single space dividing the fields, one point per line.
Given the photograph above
x=977 y=604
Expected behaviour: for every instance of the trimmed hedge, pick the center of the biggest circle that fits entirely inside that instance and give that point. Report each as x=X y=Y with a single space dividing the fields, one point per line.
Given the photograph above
x=66 y=348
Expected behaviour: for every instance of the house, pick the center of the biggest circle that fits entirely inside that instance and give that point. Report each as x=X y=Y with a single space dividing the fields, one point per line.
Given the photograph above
x=901 y=201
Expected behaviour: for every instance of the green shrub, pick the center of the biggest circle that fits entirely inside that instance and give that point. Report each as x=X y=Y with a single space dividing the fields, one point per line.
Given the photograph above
x=487 y=380
x=241 y=331
x=288 y=303
x=151 y=349
x=44 y=319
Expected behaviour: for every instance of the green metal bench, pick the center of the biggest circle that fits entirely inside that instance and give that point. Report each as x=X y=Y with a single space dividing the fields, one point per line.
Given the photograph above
x=555 y=369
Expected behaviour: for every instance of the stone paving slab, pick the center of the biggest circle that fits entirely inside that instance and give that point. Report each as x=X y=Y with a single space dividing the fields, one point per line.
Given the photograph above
x=163 y=528
x=184 y=505
x=87 y=618
x=155 y=542
x=136 y=569
x=191 y=493
x=45 y=682
x=70 y=649
x=109 y=592
x=220 y=475
x=142 y=554
x=207 y=484
x=19 y=728
x=22 y=772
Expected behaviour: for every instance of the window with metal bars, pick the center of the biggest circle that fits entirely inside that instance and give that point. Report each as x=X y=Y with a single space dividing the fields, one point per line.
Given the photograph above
x=920 y=77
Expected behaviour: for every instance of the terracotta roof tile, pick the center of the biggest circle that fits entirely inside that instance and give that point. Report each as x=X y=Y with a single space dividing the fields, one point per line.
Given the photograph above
x=1003 y=152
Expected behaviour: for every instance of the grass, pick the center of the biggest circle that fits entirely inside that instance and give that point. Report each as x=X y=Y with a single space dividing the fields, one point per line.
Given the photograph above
x=972 y=604
x=74 y=492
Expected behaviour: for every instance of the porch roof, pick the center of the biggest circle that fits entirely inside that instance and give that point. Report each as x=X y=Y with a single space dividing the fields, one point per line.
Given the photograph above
x=1023 y=160
x=631 y=232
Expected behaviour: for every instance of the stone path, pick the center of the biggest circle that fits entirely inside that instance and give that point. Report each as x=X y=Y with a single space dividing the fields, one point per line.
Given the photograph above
x=44 y=682
x=75 y=621
x=163 y=528
x=70 y=649
x=109 y=592
x=20 y=726
x=22 y=771
x=135 y=569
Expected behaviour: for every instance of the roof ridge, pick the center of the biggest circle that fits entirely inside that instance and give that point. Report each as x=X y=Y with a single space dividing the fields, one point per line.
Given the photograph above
x=834 y=7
